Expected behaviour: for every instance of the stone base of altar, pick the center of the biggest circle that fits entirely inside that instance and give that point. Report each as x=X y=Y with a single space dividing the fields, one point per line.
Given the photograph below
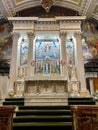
x=43 y=100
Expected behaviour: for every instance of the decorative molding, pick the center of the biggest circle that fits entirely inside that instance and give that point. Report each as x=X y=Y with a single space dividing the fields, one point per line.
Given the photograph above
x=22 y=22
x=70 y=18
x=44 y=87
x=9 y=7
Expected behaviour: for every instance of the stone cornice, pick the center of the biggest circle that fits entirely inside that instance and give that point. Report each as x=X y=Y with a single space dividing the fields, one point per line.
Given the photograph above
x=22 y=19
x=71 y=18
x=48 y=24
x=67 y=18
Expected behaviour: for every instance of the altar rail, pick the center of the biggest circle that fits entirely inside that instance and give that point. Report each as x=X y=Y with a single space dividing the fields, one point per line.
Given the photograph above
x=85 y=117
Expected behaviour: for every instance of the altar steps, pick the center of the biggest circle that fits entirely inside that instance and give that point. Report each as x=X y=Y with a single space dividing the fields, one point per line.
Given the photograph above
x=43 y=117
x=43 y=100
x=81 y=101
x=52 y=101
x=14 y=101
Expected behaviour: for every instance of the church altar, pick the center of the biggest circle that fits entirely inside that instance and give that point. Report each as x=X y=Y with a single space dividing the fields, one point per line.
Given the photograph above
x=47 y=57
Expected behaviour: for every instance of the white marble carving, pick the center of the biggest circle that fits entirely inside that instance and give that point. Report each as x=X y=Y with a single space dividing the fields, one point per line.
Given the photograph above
x=45 y=87
x=51 y=83
x=21 y=72
x=73 y=84
x=73 y=73
x=19 y=89
x=74 y=89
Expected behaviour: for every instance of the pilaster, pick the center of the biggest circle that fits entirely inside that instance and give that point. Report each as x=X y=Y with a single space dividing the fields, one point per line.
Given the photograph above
x=63 y=52
x=79 y=63
x=30 y=68
x=14 y=59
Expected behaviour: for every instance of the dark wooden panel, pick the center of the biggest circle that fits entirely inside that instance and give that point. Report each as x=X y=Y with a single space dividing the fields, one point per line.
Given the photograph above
x=85 y=117
x=6 y=117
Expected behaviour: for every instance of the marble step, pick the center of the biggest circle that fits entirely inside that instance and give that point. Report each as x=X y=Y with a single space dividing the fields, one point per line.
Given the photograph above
x=46 y=100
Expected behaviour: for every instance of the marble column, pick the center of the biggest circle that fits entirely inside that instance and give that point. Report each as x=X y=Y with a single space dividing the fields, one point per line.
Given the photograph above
x=30 y=68
x=13 y=65
x=63 y=53
x=79 y=62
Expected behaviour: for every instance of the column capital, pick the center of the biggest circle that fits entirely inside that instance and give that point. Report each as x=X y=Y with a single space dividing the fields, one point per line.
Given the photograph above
x=63 y=33
x=77 y=32
x=15 y=34
x=31 y=35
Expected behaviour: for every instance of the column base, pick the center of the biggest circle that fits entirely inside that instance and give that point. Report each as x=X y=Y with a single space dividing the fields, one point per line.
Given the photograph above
x=85 y=93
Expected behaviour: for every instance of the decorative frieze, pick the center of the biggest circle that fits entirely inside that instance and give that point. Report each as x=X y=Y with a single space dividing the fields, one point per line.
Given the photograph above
x=46 y=26
x=44 y=87
x=23 y=22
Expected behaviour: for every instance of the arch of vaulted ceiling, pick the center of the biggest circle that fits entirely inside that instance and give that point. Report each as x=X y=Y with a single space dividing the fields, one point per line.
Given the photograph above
x=87 y=8
x=40 y=12
x=24 y=4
